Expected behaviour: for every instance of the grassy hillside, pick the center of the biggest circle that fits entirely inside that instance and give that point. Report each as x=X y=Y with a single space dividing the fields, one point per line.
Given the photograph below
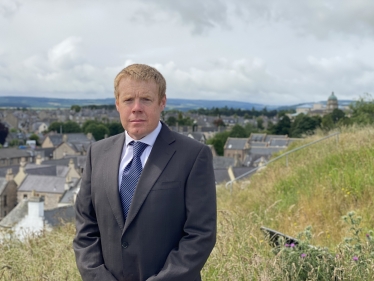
x=320 y=185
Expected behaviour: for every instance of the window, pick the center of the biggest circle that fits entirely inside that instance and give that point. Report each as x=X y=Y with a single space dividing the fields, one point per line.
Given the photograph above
x=5 y=203
x=4 y=213
x=24 y=196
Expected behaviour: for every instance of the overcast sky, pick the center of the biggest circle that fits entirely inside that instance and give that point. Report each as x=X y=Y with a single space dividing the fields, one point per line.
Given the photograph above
x=274 y=52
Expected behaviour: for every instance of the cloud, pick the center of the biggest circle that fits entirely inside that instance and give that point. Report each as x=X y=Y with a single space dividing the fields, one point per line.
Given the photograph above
x=320 y=18
x=9 y=7
x=200 y=15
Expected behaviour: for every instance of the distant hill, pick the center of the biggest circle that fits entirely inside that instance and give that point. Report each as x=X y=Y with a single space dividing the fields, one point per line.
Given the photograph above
x=179 y=104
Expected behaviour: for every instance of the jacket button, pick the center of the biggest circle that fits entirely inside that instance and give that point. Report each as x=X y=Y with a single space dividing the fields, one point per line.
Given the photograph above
x=125 y=245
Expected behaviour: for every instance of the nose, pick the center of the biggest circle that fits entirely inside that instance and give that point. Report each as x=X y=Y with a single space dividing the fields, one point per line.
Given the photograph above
x=137 y=106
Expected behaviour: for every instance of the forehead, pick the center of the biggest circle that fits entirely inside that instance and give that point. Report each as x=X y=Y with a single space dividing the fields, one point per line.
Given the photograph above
x=129 y=86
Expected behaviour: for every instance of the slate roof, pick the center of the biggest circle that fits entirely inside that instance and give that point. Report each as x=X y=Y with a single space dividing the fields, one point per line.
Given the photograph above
x=47 y=170
x=270 y=137
x=238 y=171
x=45 y=152
x=56 y=139
x=221 y=162
x=79 y=161
x=68 y=196
x=236 y=143
x=14 y=153
x=45 y=184
x=221 y=175
x=15 y=215
x=264 y=150
x=257 y=137
x=3 y=170
x=52 y=217
x=279 y=142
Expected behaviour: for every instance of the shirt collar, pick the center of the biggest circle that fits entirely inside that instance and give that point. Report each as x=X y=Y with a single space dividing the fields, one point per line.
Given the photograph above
x=148 y=139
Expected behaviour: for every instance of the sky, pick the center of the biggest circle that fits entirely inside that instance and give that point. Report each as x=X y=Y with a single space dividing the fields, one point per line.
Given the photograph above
x=274 y=52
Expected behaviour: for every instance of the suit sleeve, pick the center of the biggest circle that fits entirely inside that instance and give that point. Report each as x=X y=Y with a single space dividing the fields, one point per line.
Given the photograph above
x=185 y=262
x=87 y=242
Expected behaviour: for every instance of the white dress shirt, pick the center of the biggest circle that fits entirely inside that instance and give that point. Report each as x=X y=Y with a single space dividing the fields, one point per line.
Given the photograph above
x=127 y=150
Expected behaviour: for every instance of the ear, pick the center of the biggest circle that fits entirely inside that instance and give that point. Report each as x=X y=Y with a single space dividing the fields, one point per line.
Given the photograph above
x=163 y=103
x=117 y=104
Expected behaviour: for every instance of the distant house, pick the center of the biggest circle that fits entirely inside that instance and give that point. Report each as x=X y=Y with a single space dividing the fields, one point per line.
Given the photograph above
x=12 y=156
x=8 y=194
x=49 y=182
x=54 y=140
x=30 y=218
x=199 y=136
x=236 y=148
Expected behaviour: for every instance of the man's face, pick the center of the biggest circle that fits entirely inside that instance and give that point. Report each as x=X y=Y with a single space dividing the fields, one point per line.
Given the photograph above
x=139 y=106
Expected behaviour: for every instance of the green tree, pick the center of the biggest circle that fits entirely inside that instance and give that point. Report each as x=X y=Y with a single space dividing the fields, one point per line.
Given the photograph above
x=363 y=110
x=171 y=121
x=35 y=137
x=55 y=126
x=115 y=128
x=98 y=131
x=76 y=108
x=71 y=127
x=238 y=131
x=260 y=123
x=218 y=141
x=303 y=124
x=88 y=123
x=283 y=126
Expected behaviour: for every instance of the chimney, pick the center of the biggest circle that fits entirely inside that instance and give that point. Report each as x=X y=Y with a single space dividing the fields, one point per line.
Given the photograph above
x=67 y=183
x=35 y=206
x=38 y=160
x=9 y=175
x=71 y=164
x=64 y=138
x=89 y=136
x=22 y=164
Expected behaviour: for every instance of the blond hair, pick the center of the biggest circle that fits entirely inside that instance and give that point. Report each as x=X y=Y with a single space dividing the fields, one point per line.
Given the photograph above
x=141 y=72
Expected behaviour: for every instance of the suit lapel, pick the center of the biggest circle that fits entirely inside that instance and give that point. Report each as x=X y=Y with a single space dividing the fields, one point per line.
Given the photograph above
x=156 y=163
x=112 y=157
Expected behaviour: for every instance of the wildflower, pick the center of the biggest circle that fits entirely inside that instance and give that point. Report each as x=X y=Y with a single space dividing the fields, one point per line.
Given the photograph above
x=292 y=245
x=303 y=255
x=355 y=258
x=286 y=245
x=367 y=235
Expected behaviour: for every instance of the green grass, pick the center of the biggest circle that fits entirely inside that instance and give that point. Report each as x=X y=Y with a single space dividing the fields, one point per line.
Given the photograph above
x=320 y=185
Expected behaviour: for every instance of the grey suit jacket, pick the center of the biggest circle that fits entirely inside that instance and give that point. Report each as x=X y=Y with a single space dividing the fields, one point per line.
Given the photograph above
x=171 y=226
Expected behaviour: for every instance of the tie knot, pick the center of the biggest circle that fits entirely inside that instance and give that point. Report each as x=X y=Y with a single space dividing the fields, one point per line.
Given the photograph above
x=138 y=148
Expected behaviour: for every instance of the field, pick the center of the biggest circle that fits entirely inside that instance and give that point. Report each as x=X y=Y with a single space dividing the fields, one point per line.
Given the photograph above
x=323 y=197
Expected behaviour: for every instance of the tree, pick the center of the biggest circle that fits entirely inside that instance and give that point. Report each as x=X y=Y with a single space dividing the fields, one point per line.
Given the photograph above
x=115 y=128
x=238 y=132
x=3 y=133
x=219 y=123
x=76 y=108
x=98 y=131
x=363 y=111
x=171 y=121
x=282 y=127
x=260 y=123
x=55 y=126
x=88 y=123
x=34 y=137
x=71 y=127
x=303 y=124
x=218 y=141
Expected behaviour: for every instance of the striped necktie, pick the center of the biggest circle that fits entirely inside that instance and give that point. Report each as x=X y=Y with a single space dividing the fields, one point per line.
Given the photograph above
x=130 y=176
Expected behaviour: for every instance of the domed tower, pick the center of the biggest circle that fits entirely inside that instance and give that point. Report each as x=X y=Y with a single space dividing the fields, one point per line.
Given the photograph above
x=332 y=103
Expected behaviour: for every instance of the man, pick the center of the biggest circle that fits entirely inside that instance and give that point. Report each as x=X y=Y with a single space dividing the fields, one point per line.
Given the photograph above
x=146 y=209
